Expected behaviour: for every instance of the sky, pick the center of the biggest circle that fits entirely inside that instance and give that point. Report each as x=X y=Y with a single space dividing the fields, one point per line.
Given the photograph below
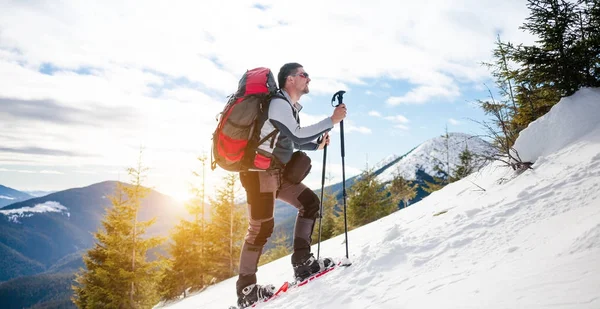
x=530 y=240
x=86 y=85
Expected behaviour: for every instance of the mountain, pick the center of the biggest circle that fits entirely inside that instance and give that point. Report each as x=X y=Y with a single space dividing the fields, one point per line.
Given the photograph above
x=38 y=233
x=38 y=291
x=439 y=150
x=9 y=196
x=531 y=239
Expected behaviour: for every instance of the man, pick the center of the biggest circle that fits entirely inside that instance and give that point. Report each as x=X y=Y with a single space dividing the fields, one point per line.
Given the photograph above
x=262 y=188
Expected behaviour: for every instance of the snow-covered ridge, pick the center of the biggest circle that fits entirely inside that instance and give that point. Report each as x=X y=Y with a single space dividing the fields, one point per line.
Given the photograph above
x=385 y=161
x=15 y=214
x=427 y=155
x=567 y=121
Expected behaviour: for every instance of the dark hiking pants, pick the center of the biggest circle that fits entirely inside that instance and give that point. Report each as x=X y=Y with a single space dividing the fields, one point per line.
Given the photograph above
x=262 y=189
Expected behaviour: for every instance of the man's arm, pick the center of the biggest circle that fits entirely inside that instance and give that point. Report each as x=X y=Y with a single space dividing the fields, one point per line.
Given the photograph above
x=307 y=146
x=282 y=117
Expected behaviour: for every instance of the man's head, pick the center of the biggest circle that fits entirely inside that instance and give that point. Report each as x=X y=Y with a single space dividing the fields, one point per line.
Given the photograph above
x=293 y=79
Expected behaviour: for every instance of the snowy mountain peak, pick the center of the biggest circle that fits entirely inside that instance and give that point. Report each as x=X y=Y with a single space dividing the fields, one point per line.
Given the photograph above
x=438 y=150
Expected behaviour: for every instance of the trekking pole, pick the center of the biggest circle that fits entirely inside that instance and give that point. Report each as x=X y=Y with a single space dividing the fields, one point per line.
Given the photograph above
x=322 y=188
x=340 y=96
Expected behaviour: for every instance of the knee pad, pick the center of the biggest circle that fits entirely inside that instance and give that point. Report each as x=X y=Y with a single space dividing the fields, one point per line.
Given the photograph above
x=266 y=229
x=310 y=202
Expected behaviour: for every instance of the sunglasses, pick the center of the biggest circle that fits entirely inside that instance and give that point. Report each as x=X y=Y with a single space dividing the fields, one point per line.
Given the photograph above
x=303 y=74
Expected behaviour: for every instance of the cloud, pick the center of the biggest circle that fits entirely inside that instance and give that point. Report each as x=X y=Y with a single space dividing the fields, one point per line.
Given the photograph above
x=424 y=94
x=23 y=212
x=401 y=127
x=374 y=114
x=87 y=172
x=51 y=111
x=408 y=33
x=398 y=118
x=359 y=129
x=454 y=121
x=41 y=151
x=51 y=172
x=350 y=126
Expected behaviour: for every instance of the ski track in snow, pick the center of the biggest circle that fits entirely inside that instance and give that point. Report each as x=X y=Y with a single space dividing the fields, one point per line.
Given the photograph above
x=529 y=241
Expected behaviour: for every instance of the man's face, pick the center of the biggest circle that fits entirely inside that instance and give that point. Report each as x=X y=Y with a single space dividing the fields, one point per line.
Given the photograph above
x=301 y=80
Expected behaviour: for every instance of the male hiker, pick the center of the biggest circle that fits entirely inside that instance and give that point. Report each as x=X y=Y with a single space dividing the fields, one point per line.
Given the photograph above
x=264 y=187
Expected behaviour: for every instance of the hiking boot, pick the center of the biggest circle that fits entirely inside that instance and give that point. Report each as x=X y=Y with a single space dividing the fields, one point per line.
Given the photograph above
x=254 y=293
x=311 y=266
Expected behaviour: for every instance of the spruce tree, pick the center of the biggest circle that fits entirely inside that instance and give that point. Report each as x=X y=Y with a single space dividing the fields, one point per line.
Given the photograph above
x=177 y=276
x=368 y=200
x=118 y=274
x=402 y=190
x=225 y=232
x=331 y=223
x=587 y=48
x=440 y=179
x=465 y=168
x=187 y=266
x=281 y=248
x=554 y=23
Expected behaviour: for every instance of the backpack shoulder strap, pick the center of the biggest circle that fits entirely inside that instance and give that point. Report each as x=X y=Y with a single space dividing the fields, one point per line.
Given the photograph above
x=280 y=95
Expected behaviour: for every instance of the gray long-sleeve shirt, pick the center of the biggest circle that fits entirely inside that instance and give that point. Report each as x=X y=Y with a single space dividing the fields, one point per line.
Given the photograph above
x=284 y=116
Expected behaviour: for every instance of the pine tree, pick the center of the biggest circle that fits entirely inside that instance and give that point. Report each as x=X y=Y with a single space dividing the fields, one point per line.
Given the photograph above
x=331 y=225
x=177 y=277
x=465 y=168
x=117 y=273
x=281 y=248
x=587 y=48
x=402 y=190
x=187 y=265
x=446 y=137
x=507 y=106
x=551 y=60
x=368 y=200
x=432 y=186
x=225 y=232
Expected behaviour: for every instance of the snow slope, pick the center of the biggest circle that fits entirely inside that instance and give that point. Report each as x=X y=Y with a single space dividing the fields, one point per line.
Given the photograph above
x=528 y=241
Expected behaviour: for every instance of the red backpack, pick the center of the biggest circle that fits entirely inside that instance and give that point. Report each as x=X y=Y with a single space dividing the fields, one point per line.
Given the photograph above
x=235 y=140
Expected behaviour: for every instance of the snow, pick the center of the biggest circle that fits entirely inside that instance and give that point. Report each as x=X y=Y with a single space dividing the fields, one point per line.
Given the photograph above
x=24 y=212
x=566 y=122
x=6 y=197
x=385 y=161
x=530 y=240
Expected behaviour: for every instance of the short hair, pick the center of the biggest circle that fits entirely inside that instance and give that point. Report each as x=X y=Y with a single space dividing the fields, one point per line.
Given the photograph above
x=285 y=71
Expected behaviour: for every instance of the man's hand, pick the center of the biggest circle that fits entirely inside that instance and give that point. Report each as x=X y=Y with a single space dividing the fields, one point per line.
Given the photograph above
x=339 y=113
x=324 y=141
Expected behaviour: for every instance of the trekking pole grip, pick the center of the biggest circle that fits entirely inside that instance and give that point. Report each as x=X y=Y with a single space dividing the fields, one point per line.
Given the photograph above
x=340 y=96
